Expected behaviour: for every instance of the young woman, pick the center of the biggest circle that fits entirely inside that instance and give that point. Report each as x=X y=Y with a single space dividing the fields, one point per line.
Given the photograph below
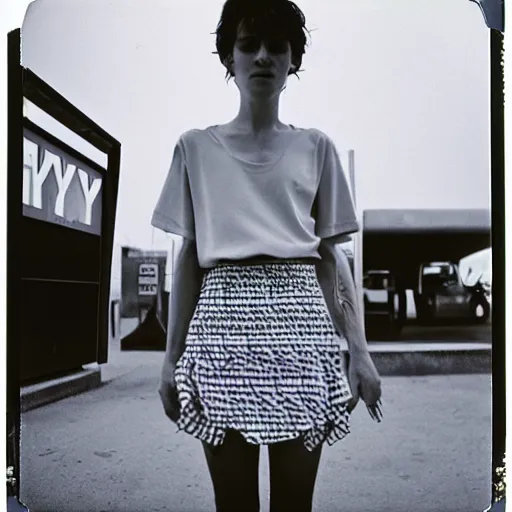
x=261 y=294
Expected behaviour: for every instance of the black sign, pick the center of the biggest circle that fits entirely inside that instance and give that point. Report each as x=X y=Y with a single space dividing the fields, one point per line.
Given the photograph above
x=58 y=188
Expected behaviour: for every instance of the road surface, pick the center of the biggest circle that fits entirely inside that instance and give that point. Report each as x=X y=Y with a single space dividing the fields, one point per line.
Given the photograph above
x=113 y=450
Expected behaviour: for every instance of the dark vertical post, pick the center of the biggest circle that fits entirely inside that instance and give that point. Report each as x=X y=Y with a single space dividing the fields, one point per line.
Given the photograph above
x=498 y=252
x=107 y=245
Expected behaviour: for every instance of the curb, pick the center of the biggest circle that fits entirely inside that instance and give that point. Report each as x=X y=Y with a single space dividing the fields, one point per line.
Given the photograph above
x=447 y=362
x=49 y=391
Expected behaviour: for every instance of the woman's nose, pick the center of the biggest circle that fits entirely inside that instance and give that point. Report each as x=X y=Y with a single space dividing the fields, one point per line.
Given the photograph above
x=262 y=54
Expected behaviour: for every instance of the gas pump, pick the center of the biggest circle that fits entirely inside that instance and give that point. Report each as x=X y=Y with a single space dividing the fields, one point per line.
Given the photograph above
x=142 y=289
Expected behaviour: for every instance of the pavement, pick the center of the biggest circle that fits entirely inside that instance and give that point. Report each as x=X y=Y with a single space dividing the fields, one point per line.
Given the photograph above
x=113 y=450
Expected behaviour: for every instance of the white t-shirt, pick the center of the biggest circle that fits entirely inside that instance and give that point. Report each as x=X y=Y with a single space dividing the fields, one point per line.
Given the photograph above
x=235 y=209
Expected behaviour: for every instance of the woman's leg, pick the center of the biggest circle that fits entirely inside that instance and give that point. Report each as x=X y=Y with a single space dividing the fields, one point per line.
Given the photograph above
x=293 y=471
x=234 y=470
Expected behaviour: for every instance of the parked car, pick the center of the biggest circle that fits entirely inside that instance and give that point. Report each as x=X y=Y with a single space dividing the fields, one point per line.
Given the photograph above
x=443 y=294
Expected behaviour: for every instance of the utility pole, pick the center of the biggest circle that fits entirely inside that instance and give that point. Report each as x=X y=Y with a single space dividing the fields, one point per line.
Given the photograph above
x=357 y=237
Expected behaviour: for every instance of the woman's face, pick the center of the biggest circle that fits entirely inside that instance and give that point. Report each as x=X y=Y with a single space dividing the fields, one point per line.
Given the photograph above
x=261 y=64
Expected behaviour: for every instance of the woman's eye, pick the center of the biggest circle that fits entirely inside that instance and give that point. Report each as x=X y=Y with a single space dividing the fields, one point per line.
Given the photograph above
x=277 y=46
x=249 y=45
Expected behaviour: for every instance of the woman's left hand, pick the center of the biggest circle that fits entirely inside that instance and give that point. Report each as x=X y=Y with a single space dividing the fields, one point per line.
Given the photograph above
x=365 y=383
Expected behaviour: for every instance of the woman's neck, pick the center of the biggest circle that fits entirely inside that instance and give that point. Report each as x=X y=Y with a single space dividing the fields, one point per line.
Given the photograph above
x=258 y=116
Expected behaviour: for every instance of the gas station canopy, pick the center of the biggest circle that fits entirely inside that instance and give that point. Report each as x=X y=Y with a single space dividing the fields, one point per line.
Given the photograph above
x=400 y=240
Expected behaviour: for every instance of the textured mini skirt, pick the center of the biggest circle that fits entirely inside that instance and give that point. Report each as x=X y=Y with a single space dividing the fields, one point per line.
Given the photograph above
x=262 y=357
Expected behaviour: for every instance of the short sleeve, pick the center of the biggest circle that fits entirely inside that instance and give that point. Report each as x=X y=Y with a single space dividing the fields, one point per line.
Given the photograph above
x=173 y=212
x=334 y=208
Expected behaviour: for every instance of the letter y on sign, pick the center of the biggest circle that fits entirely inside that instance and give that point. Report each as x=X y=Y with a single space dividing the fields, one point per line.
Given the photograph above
x=90 y=193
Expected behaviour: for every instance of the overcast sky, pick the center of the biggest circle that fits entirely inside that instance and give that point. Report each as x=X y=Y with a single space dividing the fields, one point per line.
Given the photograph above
x=405 y=84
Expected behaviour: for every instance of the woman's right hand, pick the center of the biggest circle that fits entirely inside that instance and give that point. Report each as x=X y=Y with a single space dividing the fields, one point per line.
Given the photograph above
x=169 y=393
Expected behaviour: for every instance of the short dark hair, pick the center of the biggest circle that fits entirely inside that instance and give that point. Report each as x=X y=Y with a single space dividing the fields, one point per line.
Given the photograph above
x=262 y=16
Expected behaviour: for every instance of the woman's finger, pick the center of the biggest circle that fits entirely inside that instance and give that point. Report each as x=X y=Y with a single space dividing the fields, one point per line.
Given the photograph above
x=173 y=415
x=171 y=403
x=369 y=409
x=352 y=404
x=374 y=414
x=378 y=413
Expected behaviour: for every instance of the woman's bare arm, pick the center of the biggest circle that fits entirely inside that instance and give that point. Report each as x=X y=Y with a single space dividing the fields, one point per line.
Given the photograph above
x=337 y=283
x=183 y=297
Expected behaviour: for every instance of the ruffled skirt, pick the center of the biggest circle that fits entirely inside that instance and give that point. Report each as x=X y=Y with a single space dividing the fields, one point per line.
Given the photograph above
x=262 y=357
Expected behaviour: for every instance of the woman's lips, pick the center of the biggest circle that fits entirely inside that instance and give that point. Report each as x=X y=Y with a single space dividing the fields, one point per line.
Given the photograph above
x=262 y=75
